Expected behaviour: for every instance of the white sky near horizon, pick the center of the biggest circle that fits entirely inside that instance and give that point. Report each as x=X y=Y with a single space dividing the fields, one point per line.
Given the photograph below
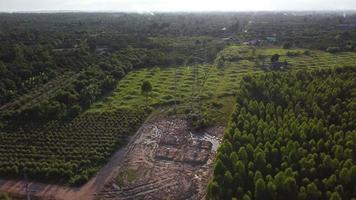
x=175 y=5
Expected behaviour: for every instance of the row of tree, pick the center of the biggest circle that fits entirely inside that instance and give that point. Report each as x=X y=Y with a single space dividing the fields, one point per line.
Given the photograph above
x=292 y=136
x=69 y=152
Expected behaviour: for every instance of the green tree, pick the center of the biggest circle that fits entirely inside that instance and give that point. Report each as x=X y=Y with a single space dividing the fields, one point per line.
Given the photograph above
x=213 y=190
x=335 y=196
x=243 y=154
x=344 y=176
x=146 y=89
x=313 y=191
x=260 y=189
x=275 y=58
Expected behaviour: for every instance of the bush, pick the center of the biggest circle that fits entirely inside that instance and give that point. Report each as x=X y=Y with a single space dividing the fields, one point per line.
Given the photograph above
x=287 y=45
x=292 y=53
x=4 y=196
x=199 y=121
x=74 y=111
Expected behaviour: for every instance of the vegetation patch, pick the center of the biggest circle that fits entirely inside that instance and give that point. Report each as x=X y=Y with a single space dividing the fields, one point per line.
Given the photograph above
x=70 y=152
x=290 y=137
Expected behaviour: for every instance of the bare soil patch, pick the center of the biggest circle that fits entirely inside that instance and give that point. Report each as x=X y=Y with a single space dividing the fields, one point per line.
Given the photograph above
x=166 y=161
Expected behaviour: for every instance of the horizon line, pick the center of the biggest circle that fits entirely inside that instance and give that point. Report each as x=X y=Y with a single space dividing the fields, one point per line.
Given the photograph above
x=44 y=11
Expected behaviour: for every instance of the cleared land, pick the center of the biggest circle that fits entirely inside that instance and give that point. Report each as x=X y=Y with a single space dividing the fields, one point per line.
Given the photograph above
x=167 y=161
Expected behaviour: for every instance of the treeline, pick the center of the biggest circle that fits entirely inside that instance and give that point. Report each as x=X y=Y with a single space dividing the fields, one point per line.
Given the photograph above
x=292 y=136
x=146 y=24
x=71 y=94
x=88 y=81
x=324 y=31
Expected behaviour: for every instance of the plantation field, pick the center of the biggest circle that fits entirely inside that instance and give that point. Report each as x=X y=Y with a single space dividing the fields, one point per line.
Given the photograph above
x=72 y=151
x=175 y=84
x=296 y=58
x=69 y=152
x=218 y=84
x=290 y=137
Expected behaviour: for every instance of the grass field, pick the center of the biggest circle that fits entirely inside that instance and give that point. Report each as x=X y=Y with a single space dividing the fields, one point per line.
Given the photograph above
x=216 y=96
x=176 y=84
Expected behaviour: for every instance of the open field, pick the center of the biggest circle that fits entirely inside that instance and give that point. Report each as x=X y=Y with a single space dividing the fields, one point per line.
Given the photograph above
x=170 y=85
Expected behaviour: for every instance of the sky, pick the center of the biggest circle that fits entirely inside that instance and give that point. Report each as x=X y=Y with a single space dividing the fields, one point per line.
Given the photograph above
x=175 y=5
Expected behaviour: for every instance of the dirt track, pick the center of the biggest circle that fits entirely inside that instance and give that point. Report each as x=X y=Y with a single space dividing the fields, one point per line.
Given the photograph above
x=163 y=160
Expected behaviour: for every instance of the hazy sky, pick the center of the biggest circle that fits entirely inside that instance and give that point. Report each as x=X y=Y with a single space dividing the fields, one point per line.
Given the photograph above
x=175 y=5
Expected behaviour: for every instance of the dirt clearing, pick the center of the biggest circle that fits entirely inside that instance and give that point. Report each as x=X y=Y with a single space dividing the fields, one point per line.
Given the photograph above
x=166 y=161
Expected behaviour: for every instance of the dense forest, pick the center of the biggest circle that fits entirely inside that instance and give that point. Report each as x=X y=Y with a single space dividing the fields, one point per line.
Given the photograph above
x=292 y=136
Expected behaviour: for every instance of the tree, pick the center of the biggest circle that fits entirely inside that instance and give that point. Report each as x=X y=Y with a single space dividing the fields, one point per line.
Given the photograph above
x=287 y=45
x=335 y=196
x=3 y=68
x=74 y=111
x=213 y=190
x=313 y=191
x=146 y=89
x=344 y=176
x=260 y=189
x=290 y=188
x=108 y=84
x=219 y=168
x=260 y=161
x=243 y=155
x=271 y=190
x=275 y=58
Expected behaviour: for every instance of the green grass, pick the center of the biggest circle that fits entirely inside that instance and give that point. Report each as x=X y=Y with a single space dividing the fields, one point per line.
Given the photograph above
x=218 y=86
x=131 y=175
x=221 y=83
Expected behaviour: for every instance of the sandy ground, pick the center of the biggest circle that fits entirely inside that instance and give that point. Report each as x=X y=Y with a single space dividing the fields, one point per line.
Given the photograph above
x=167 y=161
x=163 y=160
